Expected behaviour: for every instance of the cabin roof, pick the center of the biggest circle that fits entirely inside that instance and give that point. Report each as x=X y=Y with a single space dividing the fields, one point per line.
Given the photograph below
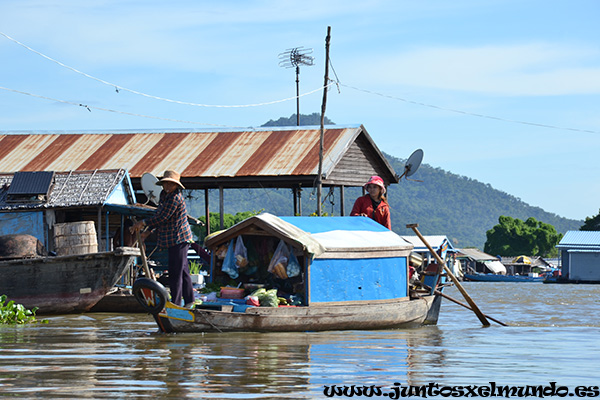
x=589 y=240
x=536 y=261
x=69 y=189
x=476 y=255
x=435 y=241
x=318 y=235
x=253 y=157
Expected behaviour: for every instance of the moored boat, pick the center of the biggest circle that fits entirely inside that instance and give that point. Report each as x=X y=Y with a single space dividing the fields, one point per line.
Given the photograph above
x=503 y=278
x=353 y=274
x=63 y=284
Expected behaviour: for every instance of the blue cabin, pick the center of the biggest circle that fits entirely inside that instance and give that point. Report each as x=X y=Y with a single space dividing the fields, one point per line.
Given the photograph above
x=341 y=259
x=580 y=256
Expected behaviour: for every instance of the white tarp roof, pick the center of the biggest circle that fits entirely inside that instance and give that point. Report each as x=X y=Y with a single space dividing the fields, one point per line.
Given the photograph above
x=435 y=241
x=495 y=266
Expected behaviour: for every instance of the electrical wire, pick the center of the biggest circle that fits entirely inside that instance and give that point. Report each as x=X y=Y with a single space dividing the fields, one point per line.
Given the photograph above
x=89 y=108
x=118 y=87
x=336 y=82
x=466 y=112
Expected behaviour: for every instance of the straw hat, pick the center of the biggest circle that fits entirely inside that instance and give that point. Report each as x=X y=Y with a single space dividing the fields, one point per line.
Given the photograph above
x=376 y=180
x=170 y=176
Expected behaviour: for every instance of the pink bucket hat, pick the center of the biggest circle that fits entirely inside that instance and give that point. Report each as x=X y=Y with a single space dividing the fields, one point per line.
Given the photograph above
x=376 y=180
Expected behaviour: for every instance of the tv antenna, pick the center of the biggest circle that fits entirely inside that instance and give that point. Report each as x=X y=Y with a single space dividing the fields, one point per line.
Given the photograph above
x=295 y=58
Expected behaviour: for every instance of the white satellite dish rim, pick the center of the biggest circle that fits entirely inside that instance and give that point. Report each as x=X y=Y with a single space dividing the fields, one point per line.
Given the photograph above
x=150 y=188
x=414 y=162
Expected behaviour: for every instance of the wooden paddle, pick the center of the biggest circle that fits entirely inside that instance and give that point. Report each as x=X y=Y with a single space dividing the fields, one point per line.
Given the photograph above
x=143 y=251
x=144 y=260
x=474 y=307
x=452 y=299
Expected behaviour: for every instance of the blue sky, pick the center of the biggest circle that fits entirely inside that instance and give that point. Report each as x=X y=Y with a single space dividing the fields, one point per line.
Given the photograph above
x=505 y=92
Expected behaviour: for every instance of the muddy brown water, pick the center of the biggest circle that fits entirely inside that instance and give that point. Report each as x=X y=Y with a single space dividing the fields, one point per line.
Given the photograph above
x=553 y=337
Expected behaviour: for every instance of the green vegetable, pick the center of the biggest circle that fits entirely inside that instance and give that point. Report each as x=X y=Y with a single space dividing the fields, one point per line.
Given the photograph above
x=267 y=298
x=211 y=287
x=195 y=267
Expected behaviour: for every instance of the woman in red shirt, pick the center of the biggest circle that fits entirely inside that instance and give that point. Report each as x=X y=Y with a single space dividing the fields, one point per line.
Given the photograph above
x=374 y=204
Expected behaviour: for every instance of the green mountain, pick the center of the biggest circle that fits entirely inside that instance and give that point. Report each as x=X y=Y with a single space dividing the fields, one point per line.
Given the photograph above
x=459 y=207
x=444 y=203
x=305 y=120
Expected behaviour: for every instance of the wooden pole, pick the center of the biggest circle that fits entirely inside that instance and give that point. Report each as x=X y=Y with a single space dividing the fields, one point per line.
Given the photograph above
x=323 y=107
x=143 y=252
x=474 y=307
x=221 y=208
x=342 y=205
x=452 y=299
x=207 y=212
x=297 y=95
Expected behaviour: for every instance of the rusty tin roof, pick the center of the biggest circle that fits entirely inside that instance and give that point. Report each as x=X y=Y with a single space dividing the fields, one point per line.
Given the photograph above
x=275 y=157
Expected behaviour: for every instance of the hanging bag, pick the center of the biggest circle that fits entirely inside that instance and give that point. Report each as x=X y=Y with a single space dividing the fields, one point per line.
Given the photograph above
x=279 y=261
x=229 y=266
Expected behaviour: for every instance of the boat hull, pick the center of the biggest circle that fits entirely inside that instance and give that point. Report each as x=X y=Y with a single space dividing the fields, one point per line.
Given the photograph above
x=381 y=314
x=64 y=284
x=501 y=278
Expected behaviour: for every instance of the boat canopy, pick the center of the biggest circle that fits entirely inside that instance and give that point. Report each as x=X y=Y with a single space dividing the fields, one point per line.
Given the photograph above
x=322 y=236
x=495 y=266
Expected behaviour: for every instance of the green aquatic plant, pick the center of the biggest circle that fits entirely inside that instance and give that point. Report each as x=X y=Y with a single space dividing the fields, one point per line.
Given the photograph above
x=13 y=313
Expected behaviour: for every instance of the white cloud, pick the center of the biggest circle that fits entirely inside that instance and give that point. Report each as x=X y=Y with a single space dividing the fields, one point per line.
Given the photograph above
x=518 y=70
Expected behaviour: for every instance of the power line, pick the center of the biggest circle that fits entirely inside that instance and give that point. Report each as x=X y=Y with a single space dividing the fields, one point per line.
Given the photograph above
x=466 y=112
x=118 y=87
x=336 y=82
x=89 y=108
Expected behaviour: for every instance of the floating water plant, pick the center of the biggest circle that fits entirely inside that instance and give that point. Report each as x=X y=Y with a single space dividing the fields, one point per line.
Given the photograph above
x=12 y=313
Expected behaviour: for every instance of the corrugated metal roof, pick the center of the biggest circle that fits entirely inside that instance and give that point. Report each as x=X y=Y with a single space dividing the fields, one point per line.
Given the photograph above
x=197 y=155
x=476 y=255
x=435 y=241
x=88 y=188
x=580 y=239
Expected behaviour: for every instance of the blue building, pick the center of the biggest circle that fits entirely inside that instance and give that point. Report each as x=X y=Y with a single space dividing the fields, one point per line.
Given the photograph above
x=580 y=256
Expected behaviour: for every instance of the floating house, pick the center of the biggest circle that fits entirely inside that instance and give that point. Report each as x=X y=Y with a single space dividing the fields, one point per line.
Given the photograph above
x=476 y=261
x=421 y=257
x=37 y=203
x=273 y=157
x=526 y=265
x=580 y=256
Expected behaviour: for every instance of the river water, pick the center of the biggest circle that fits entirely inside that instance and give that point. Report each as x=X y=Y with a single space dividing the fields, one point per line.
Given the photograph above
x=554 y=336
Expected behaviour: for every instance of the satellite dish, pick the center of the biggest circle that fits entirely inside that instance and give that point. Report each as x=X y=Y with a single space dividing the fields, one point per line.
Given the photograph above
x=413 y=163
x=150 y=188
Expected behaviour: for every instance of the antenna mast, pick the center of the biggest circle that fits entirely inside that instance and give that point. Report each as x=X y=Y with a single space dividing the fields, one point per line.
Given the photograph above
x=294 y=58
x=320 y=173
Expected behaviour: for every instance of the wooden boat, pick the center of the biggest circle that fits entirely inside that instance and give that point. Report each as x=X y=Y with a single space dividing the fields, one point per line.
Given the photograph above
x=353 y=275
x=118 y=300
x=63 y=284
x=502 y=278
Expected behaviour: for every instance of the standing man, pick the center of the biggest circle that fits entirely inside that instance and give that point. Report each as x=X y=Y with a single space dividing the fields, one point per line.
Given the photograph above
x=175 y=235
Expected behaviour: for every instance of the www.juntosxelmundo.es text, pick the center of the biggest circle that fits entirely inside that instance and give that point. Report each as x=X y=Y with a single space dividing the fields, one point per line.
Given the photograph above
x=399 y=391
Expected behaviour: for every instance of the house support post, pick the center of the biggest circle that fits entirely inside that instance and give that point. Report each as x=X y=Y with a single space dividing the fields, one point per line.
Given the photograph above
x=206 y=212
x=221 y=208
x=342 y=213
